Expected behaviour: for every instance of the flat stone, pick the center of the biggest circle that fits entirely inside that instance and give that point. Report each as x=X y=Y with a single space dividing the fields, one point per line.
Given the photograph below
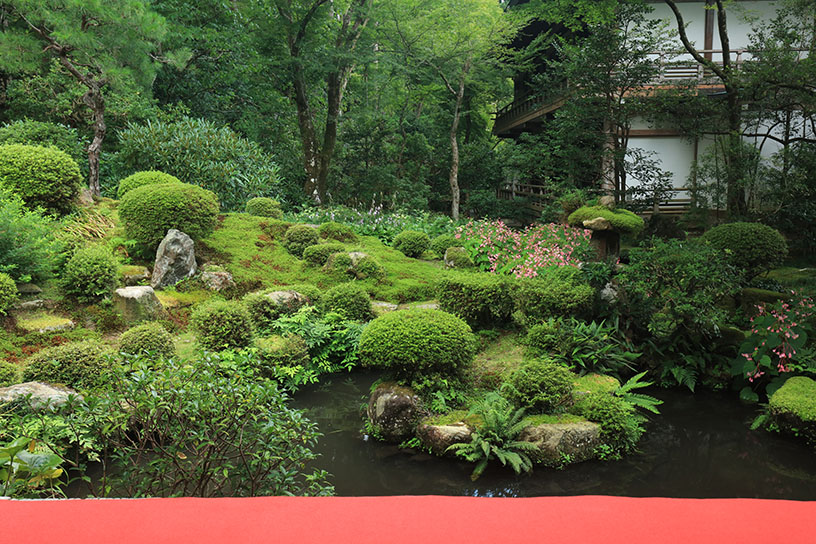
x=42 y=394
x=28 y=289
x=559 y=441
x=36 y=304
x=175 y=260
x=380 y=307
x=599 y=223
x=138 y=303
x=440 y=437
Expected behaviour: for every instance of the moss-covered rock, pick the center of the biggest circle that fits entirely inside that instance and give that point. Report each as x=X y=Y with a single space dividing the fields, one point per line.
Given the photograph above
x=594 y=383
x=393 y=411
x=793 y=407
x=561 y=444
x=621 y=220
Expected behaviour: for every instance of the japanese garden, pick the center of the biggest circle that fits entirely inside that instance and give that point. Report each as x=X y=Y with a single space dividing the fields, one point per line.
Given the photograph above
x=407 y=247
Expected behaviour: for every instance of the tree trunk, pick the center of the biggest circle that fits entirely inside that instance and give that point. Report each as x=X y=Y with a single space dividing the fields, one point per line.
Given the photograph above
x=95 y=101
x=454 y=141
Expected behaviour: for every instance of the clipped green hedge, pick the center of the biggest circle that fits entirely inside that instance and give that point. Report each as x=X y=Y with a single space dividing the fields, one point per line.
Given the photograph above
x=752 y=247
x=90 y=274
x=412 y=243
x=541 y=386
x=262 y=206
x=139 y=179
x=149 y=338
x=621 y=220
x=337 y=231
x=45 y=134
x=561 y=292
x=349 y=299
x=41 y=176
x=298 y=237
x=420 y=341
x=8 y=293
x=221 y=324
x=480 y=299
x=76 y=364
x=148 y=212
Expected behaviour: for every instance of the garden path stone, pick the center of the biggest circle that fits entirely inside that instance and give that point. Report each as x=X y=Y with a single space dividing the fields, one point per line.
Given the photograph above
x=42 y=394
x=138 y=303
x=175 y=260
x=381 y=307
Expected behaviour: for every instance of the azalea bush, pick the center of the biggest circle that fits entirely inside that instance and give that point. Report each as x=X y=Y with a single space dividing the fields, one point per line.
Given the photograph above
x=777 y=346
x=495 y=247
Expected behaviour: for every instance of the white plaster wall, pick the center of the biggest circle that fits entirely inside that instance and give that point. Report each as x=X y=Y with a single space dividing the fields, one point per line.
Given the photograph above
x=676 y=155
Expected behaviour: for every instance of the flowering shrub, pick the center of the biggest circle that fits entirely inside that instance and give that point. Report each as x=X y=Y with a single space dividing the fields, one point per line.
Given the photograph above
x=495 y=247
x=777 y=345
x=385 y=225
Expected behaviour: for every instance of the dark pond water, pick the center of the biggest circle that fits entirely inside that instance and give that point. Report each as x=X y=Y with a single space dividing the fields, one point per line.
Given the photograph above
x=699 y=447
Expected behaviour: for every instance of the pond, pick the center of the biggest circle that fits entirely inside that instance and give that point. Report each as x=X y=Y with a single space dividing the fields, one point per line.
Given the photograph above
x=700 y=446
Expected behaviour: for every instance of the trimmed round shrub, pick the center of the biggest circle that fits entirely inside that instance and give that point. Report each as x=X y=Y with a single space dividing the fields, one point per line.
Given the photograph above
x=262 y=206
x=150 y=211
x=420 y=341
x=544 y=338
x=441 y=243
x=277 y=351
x=318 y=254
x=140 y=179
x=147 y=338
x=752 y=247
x=91 y=274
x=339 y=264
x=541 y=386
x=620 y=426
x=266 y=306
x=337 y=231
x=349 y=299
x=298 y=237
x=41 y=176
x=561 y=292
x=411 y=243
x=8 y=292
x=621 y=220
x=9 y=373
x=45 y=134
x=76 y=364
x=479 y=299
x=222 y=324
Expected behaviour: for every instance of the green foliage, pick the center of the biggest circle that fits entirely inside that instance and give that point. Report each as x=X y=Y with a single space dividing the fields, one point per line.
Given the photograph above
x=561 y=292
x=28 y=248
x=45 y=134
x=622 y=220
x=412 y=243
x=150 y=177
x=337 y=231
x=8 y=293
x=458 y=257
x=90 y=274
x=41 y=176
x=9 y=373
x=416 y=342
x=349 y=299
x=207 y=429
x=318 y=254
x=28 y=470
x=441 y=243
x=479 y=299
x=149 y=338
x=279 y=356
x=298 y=238
x=540 y=386
x=75 y=364
x=200 y=152
x=594 y=348
x=621 y=427
x=544 y=339
x=262 y=206
x=793 y=407
x=496 y=438
x=368 y=267
x=752 y=247
x=266 y=306
x=221 y=324
x=148 y=212
x=638 y=400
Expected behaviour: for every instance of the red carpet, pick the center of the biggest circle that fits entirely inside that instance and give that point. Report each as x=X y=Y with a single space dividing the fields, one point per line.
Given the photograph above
x=418 y=520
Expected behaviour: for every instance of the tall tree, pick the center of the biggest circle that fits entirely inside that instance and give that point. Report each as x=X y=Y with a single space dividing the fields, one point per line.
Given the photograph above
x=100 y=44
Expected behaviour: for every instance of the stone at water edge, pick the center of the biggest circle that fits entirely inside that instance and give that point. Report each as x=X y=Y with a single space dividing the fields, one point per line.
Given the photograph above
x=393 y=411
x=440 y=437
x=559 y=441
x=41 y=394
x=138 y=303
x=175 y=260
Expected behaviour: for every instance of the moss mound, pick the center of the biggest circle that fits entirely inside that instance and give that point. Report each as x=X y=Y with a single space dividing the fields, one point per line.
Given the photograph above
x=621 y=220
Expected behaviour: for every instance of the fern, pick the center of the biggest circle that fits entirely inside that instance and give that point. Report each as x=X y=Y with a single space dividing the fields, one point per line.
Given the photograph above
x=639 y=400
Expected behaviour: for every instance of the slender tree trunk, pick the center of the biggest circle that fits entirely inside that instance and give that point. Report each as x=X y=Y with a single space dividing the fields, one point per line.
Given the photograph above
x=95 y=101
x=454 y=141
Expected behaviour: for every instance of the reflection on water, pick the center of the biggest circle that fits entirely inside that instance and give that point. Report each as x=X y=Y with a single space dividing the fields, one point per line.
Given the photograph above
x=700 y=446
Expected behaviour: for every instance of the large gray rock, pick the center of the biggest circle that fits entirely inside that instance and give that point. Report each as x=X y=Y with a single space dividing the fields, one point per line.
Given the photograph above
x=440 y=437
x=394 y=411
x=558 y=443
x=175 y=260
x=42 y=394
x=138 y=303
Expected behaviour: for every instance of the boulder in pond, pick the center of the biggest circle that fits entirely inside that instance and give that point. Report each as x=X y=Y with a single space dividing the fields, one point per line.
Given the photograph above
x=138 y=303
x=175 y=260
x=438 y=438
x=394 y=411
x=40 y=394
x=559 y=442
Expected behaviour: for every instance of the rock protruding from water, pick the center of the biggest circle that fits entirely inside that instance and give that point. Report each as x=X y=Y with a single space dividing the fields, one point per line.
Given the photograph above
x=558 y=443
x=394 y=411
x=138 y=303
x=438 y=438
x=40 y=394
x=175 y=260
